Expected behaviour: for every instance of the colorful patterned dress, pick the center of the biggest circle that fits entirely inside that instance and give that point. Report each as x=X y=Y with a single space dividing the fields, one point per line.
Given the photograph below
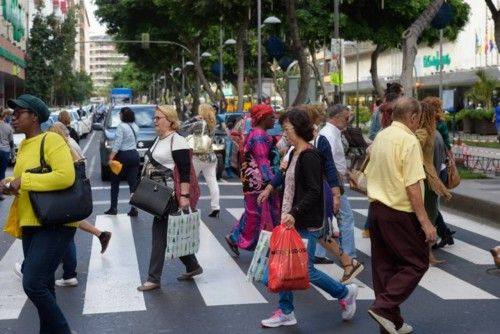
x=256 y=173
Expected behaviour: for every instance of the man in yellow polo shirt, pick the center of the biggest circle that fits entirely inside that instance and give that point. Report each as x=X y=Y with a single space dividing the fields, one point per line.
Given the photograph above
x=399 y=226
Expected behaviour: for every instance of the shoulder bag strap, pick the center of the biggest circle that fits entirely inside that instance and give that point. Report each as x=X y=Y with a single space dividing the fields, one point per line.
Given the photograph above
x=131 y=128
x=43 y=163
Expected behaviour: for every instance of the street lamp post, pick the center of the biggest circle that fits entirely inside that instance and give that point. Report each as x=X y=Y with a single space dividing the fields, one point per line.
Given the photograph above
x=269 y=20
x=229 y=41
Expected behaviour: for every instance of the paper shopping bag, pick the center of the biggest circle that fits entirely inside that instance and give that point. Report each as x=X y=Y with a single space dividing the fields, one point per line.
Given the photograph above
x=183 y=234
x=260 y=258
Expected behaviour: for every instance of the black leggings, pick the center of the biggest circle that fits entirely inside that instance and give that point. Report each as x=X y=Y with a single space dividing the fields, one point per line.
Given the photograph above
x=131 y=162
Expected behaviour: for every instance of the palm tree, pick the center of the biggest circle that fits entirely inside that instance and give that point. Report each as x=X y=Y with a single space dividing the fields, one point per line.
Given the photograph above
x=482 y=90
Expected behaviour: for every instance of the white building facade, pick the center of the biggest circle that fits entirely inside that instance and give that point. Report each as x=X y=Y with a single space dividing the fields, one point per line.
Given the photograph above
x=104 y=61
x=473 y=50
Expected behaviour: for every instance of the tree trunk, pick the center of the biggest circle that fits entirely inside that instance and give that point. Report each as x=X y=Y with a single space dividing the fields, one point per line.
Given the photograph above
x=298 y=51
x=374 y=70
x=240 y=55
x=317 y=74
x=495 y=14
x=199 y=72
x=278 y=88
x=410 y=39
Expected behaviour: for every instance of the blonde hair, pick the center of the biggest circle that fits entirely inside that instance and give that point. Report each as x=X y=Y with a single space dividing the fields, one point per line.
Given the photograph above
x=171 y=114
x=316 y=112
x=207 y=113
x=3 y=112
x=64 y=118
x=60 y=129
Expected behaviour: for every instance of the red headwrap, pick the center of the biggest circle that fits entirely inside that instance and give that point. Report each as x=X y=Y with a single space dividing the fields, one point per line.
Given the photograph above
x=260 y=111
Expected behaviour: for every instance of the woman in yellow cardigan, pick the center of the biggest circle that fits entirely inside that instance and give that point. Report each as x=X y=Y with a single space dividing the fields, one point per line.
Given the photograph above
x=43 y=247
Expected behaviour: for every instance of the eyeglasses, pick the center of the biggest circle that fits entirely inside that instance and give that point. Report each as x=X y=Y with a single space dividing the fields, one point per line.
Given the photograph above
x=157 y=118
x=288 y=129
x=18 y=111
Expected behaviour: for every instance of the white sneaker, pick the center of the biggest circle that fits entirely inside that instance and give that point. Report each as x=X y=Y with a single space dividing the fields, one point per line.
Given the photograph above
x=17 y=269
x=279 y=319
x=348 y=303
x=405 y=329
x=67 y=282
x=385 y=323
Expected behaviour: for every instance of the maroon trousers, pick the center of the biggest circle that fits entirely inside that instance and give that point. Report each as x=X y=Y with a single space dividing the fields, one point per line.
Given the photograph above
x=400 y=258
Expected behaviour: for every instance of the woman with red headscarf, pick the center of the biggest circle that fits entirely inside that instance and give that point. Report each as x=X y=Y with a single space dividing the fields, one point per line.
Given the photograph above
x=256 y=173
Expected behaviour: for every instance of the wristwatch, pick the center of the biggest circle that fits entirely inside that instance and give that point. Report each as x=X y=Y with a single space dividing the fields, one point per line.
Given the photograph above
x=185 y=195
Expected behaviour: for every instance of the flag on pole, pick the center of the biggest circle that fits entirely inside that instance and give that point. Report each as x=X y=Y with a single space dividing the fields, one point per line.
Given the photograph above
x=478 y=44
x=486 y=44
x=491 y=41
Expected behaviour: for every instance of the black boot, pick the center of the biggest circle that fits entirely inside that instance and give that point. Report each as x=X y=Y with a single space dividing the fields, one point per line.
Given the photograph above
x=214 y=214
x=447 y=239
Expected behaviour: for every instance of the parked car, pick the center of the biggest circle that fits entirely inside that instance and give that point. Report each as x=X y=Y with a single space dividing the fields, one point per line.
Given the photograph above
x=143 y=118
x=85 y=120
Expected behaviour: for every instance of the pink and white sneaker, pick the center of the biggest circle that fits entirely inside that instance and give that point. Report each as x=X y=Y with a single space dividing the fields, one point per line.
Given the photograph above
x=279 y=319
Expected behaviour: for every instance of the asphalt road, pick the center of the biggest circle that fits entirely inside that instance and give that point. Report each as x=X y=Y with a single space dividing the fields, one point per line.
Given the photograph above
x=456 y=297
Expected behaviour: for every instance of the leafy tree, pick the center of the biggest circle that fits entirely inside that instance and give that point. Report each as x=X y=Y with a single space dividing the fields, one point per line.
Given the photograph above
x=131 y=76
x=81 y=88
x=385 y=26
x=39 y=69
x=482 y=90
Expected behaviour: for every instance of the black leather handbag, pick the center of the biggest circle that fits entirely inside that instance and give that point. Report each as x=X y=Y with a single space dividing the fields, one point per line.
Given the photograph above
x=62 y=206
x=155 y=191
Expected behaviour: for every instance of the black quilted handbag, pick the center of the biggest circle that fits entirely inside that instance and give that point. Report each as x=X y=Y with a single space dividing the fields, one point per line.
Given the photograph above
x=155 y=191
x=62 y=206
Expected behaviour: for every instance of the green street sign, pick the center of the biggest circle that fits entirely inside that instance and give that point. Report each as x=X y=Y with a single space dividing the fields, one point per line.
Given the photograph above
x=430 y=61
x=13 y=13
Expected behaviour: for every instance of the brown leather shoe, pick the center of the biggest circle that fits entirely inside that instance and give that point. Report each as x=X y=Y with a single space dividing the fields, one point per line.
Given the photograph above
x=146 y=286
x=189 y=276
x=496 y=255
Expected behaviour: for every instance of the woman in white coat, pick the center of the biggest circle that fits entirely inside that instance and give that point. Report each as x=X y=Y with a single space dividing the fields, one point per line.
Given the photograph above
x=204 y=158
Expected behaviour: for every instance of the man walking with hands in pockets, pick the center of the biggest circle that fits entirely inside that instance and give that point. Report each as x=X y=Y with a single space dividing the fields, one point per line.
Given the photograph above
x=400 y=229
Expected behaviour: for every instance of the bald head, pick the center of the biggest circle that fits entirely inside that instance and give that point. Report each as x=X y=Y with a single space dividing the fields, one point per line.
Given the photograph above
x=404 y=107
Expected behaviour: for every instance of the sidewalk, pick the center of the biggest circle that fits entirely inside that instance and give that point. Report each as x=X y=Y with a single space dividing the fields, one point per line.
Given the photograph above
x=480 y=198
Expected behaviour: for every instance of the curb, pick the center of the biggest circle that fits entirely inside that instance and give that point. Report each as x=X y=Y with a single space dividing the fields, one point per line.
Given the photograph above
x=474 y=206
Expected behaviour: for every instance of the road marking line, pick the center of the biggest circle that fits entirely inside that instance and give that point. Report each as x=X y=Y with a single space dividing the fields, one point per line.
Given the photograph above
x=222 y=281
x=87 y=145
x=447 y=286
x=365 y=292
x=113 y=277
x=435 y=280
x=472 y=226
x=12 y=296
x=333 y=270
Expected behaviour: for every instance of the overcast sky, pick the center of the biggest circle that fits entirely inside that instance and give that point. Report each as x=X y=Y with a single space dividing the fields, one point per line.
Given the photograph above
x=95 y=27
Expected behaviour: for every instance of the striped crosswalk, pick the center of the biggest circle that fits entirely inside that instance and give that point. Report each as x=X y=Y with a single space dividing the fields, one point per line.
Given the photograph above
x=110 y=286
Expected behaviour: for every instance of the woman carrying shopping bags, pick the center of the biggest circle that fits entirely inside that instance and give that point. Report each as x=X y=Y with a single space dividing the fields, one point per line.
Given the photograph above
x=170 y=149
x=256 y=173
x=204 y=159
x=303 y=208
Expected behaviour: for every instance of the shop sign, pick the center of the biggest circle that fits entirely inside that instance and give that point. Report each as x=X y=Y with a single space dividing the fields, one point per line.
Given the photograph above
x=14 y=14
x=434 y=61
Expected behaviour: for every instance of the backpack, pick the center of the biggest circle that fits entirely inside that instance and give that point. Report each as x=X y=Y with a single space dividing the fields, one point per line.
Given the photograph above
x=199 y=141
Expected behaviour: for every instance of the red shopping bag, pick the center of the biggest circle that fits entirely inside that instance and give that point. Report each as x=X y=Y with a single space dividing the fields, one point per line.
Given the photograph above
x=287 y=261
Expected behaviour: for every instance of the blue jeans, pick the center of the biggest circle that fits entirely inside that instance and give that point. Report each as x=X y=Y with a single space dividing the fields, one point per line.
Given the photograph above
x=316 y=277
x=346 y=226
x=69 y=261
x=43 y=250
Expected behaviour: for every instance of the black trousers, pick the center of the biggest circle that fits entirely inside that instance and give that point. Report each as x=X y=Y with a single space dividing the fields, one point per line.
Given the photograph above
x=131 y=162
x=400 y=258
x=158 y=249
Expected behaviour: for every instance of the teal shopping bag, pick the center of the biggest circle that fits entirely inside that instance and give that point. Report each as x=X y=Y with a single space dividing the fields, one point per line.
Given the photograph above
x=183 y=233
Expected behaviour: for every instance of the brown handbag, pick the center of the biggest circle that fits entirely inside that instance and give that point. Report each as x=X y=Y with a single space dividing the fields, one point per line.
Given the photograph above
x=357 y=179
x=453 y=175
